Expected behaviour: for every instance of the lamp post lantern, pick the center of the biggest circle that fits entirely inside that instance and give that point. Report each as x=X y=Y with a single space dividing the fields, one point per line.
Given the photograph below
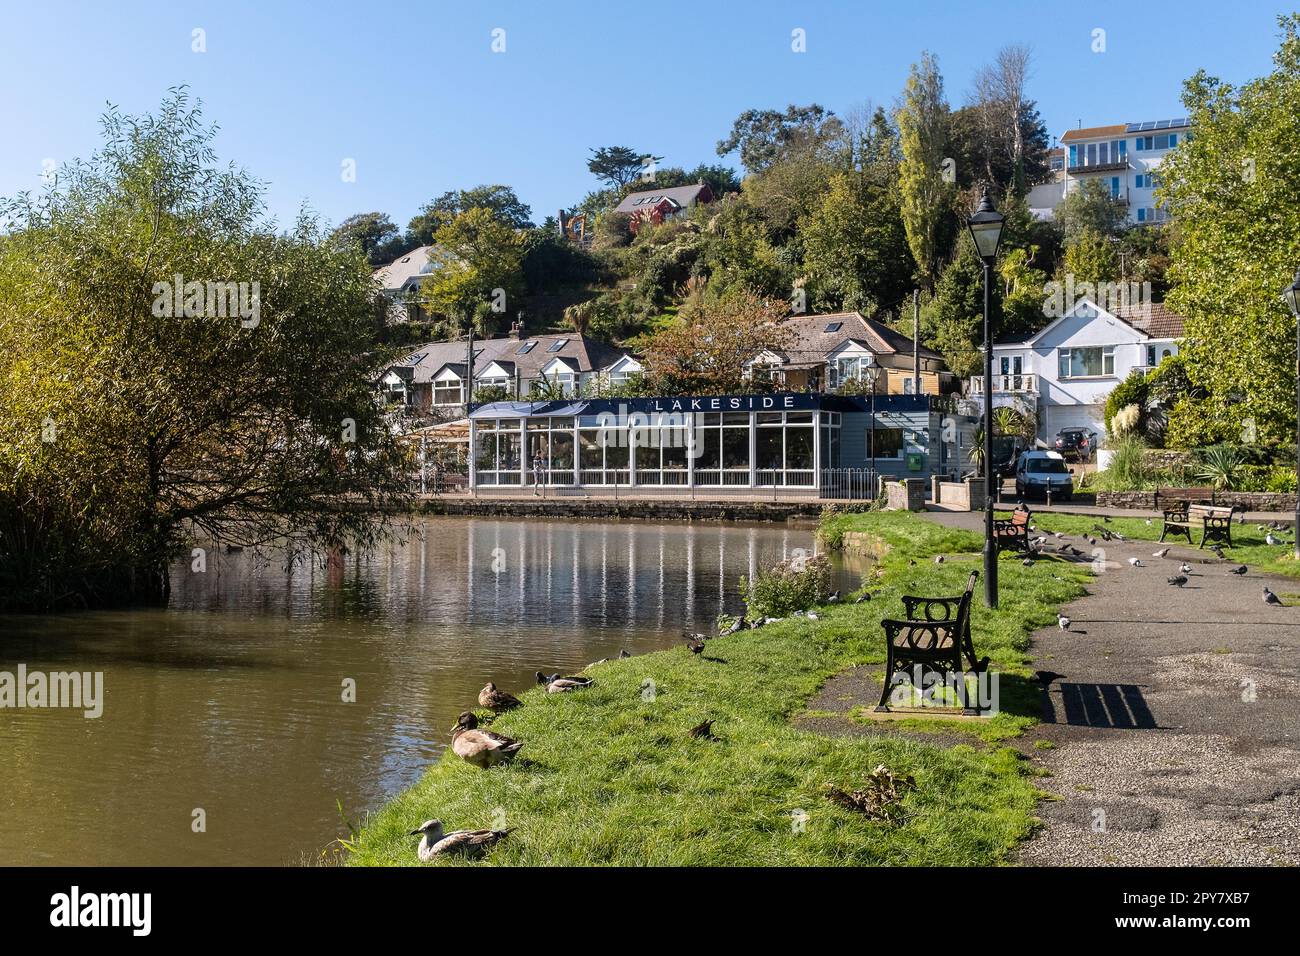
x=1292 y=297
x=986 y=230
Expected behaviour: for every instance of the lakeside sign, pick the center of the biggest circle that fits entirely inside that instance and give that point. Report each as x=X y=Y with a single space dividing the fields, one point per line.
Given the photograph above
x=770 y=402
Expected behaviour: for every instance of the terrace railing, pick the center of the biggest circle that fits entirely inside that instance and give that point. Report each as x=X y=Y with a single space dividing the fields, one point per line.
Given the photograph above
x=848 y=484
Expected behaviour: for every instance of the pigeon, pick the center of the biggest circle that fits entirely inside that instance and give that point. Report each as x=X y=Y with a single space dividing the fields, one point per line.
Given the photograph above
x=1046 y=677
x=1148 y=522
x=1058 y=534
x=813 y=616
x=1118 y=537
x=938 y=559
x=1269 y=539
x=834 y=598
x=1028 y=562
x=1160 y=554
x=739 y=624
x=1218 y=551
x=1271 y=598
x=1092 y=541
x=1178 y=580
x=1135 y=562
x=624 y=654
x=1062 y=622
x=1074 y=552
x=1106 y=518
x=862 y=598
x=703 y=731
x=1186 y=569
x=1240 y=569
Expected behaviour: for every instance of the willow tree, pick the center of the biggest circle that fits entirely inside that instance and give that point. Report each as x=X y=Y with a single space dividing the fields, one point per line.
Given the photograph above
x=141 y=413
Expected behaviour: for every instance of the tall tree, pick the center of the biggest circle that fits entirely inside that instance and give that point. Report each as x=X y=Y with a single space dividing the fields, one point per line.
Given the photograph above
x=1231 y=190
x=763 y=136
x=376 y=234
x=619 y=165
x=922 y=120
x=704 y=352
x=500 y=200
x=138 y=418
x=479 y=275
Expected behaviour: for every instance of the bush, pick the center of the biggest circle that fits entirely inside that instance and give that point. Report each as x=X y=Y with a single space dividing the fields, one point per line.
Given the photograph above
x=794 y=585
x=1223 y=466
x=1128 y=470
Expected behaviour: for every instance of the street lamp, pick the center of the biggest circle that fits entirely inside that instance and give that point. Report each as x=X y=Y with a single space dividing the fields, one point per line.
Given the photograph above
x=1291 y=295
x=986 y=230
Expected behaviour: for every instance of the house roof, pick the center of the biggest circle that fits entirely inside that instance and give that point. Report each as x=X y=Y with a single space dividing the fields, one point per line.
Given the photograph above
x=400 y=271
x=681 y=195
x=579 y=352
x=1153 y=318
x=1094 y=132
x=810 y=342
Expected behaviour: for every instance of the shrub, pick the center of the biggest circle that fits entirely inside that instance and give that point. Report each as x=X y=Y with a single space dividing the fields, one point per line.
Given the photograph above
x=794 y=585
x=1222 y=466
x=1128 y=470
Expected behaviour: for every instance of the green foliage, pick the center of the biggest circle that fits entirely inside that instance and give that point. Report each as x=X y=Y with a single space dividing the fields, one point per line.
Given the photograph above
x=1128 y=469
x=619 y=166
x=798 y=584
x=477 y=254
x=1231 y=189
x=1221 y=466
x=1090 y=257
x=1090 y=209
x=127 y=432
x=1134 y=390
x=926 y=198
x=500 y=200
x=376 y=235
x=953 y=321
x=764 y=137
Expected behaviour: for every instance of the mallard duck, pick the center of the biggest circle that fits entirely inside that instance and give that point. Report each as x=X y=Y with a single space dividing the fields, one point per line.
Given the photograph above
x=496 y=700
x=482 y=748
x=434 y=842
x=559 y=684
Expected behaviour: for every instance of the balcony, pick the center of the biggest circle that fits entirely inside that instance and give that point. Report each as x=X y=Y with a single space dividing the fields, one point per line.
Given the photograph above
x=1025 y=384
x=1115 y=167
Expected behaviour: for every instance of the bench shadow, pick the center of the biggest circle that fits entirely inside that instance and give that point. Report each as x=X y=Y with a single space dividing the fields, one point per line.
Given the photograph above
x=1111 y=706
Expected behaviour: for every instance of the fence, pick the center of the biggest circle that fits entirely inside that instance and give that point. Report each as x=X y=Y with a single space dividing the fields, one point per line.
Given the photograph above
x=852 y=484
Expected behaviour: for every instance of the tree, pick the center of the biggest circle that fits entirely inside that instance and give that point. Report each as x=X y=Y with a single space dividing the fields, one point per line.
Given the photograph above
x=1090 y=257
x=138 y=419
x=952 y=322
x=479 y=270
x=855 y=247
x=763 y=136
x=1089 y=207
x=500 y=200
x=926 y=198
x=705 y=351
x=1231 y=192
x=619 y=165
x=376 y=234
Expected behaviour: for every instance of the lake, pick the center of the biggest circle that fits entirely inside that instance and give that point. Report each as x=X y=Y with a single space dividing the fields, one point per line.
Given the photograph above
x=229 y=707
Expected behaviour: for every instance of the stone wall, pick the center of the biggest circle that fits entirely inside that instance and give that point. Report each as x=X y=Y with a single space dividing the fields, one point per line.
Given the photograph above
x=1243 y=500
x=905 y=495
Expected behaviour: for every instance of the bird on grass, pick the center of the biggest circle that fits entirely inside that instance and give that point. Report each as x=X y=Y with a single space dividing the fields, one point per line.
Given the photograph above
x=834 y=597
x=1028 y=562
x=1270 y=540
x=938 y=559
x=624 y=653
x=1062 y=621
x=703 y=731
x=469 y=843
x=738 y=625
x=693 y=645
x=1178 y=580
x=862 y=598
x=1240 y=569
x=495 y=699
x=1106 y=518
x=560 y=684
x=1118 y=537
x=1148 y=522
x=481 y=748
x=1271 y=598
x=814 y=616
x=1160 y=554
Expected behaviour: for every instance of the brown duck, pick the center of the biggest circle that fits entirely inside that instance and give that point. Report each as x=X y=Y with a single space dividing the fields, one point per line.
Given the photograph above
x=482 y=748
x=471 y=843
x=496 y=700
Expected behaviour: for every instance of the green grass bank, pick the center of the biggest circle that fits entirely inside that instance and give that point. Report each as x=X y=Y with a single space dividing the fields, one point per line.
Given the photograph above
x=609 y=775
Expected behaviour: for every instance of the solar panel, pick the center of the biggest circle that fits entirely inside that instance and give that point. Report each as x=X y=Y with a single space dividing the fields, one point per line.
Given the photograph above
x=1162 y=124
x=1147 y=126
x=1132 y=127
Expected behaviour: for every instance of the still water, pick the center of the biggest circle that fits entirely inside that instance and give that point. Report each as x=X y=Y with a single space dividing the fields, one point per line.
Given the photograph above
x=228 y=706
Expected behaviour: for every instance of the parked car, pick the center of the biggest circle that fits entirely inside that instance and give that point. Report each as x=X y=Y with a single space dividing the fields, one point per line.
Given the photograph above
x=1077 y=443
x=1006 y=452
x=1037 y=472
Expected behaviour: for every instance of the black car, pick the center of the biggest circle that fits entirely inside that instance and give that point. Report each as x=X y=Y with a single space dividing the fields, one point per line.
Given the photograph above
x=1077 y=443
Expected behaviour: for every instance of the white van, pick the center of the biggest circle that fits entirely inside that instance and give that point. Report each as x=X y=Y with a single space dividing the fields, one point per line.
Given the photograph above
x=1039 y=471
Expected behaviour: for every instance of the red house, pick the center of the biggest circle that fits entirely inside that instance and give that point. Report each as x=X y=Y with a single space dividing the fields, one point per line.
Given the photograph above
x=657 y=205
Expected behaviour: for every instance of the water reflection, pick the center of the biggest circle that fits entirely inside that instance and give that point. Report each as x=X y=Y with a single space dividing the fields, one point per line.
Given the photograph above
x=231 y=700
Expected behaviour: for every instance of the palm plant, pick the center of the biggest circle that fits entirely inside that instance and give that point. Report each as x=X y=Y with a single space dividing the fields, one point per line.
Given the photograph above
x=1221 y=466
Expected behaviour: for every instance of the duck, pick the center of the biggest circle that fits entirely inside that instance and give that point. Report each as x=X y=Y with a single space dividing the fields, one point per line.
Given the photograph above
x=482 y=748
x=558 y=683
x=434 y=842
x=496 y=700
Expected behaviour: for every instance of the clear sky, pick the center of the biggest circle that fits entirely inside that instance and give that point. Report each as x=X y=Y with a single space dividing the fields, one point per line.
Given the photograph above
x=415 y=95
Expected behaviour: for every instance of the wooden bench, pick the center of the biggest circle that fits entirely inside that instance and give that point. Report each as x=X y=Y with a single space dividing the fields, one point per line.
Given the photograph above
x=935 y=637
x=1012 y=534
x=1215 y=522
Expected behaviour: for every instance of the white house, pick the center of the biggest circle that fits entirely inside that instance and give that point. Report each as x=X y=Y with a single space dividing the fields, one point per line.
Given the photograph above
x=1064 y=373
x=1126 y=158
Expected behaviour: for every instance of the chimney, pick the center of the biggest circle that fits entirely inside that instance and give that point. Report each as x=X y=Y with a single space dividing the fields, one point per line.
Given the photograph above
x=517 y=329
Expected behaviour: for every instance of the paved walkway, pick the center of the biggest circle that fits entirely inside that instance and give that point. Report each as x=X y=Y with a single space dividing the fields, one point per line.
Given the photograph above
x=1176 y=722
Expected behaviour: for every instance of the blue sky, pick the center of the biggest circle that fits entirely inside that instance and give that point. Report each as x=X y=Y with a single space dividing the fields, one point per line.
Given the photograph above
x=414 y=94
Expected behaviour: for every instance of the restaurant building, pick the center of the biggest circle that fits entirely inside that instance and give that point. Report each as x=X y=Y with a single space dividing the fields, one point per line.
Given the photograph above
x=780 y=444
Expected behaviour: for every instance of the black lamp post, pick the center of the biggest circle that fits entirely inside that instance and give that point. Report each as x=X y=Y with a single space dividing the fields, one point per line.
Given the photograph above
x=986 y=230
x=1292 y=296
